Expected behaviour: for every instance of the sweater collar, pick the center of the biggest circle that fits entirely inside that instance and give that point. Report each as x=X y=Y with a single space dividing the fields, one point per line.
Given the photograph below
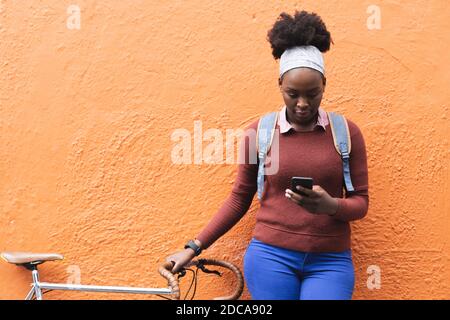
x=285 y=126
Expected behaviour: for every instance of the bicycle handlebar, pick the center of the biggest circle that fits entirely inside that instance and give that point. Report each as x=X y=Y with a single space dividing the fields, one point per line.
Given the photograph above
x=165 y=270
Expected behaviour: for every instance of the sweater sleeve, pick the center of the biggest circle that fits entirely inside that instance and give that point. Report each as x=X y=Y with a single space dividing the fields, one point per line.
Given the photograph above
x=356 y=203
x=241 y=196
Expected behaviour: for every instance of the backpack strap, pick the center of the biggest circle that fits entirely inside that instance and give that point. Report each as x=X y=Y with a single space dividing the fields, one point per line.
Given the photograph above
x=264 y=137
x=343 y=144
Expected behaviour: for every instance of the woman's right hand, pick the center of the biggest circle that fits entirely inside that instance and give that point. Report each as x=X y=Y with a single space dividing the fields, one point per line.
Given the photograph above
x=180 y=259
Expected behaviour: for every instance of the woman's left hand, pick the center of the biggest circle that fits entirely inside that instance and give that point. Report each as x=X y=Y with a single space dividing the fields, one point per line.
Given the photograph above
x=317 y=201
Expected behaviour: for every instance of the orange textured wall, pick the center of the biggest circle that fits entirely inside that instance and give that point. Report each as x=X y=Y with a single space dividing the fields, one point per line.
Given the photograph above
x=87 y=116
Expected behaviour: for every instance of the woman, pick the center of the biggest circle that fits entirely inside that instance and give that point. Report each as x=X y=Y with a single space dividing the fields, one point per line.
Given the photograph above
x=301 y=244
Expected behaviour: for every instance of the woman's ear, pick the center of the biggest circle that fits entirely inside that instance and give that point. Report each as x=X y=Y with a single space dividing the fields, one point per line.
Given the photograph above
x=279 y=83
x=324 y=83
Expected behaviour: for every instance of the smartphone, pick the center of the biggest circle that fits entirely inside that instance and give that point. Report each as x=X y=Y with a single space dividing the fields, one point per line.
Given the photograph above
x=305 y=182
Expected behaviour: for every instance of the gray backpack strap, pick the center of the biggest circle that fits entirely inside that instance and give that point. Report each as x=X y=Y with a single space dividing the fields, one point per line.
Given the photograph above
x=264 y=136
x=343 y=144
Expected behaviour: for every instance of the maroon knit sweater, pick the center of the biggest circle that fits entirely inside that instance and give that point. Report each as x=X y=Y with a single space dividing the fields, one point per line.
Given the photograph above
x=281 y=222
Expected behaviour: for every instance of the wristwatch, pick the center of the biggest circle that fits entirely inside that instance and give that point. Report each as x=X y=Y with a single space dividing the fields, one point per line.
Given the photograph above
x=191 y=244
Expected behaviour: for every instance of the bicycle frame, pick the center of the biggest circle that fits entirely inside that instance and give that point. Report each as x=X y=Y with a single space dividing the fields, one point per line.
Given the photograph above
x=30 y=261
x=37 y=287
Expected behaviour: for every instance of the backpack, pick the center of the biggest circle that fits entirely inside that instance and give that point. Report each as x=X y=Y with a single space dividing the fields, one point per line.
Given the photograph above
x=341 y=138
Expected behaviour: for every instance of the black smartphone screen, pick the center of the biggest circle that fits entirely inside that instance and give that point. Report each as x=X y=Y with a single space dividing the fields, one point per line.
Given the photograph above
x=305 y=182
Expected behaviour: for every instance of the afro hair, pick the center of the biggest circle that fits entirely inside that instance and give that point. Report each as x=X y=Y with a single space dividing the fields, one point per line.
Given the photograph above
x=300 y=30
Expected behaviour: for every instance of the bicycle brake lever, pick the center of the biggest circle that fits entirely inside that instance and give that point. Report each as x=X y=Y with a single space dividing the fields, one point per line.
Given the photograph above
x=202 y=267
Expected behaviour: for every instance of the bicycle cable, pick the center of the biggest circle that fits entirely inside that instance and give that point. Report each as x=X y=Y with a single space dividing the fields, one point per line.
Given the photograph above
x=194 y=281
x=199 y=266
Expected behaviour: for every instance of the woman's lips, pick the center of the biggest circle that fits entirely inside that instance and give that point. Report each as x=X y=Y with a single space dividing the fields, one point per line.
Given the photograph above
x=301 y=113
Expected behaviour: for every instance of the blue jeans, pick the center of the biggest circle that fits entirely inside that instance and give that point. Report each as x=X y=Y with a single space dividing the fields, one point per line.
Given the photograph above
x=274 y=273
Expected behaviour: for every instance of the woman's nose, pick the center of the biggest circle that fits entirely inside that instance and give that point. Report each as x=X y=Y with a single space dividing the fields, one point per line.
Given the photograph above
x=302 y=103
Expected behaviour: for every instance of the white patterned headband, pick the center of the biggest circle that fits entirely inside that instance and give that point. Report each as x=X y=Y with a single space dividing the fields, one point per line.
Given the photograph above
x=301 y=56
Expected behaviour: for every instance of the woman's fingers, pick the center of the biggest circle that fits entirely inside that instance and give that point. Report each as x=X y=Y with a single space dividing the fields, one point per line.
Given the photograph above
x=180 y=259
x=290 y=195
x=296 y=196
x=303 y=201
x=176 y=267
x=171 y=260
x=308 y=192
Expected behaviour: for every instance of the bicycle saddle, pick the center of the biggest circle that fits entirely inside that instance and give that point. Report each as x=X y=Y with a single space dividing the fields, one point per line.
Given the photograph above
x=23 y=258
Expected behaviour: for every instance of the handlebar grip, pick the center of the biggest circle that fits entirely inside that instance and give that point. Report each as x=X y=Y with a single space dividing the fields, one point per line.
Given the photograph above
x=165 y=270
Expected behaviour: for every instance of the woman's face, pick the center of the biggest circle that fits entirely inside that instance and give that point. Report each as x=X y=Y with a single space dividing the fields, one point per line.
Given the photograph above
x=302 y=90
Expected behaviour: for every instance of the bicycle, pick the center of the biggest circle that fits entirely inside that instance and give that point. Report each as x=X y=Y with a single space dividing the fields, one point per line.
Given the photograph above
x=30 y=261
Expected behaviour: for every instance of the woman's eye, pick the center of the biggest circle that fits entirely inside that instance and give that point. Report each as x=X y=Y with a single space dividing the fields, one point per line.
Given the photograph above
x=309 y=96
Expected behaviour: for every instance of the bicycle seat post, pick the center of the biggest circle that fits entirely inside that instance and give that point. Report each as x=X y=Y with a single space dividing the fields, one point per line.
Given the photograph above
x=35 y=275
